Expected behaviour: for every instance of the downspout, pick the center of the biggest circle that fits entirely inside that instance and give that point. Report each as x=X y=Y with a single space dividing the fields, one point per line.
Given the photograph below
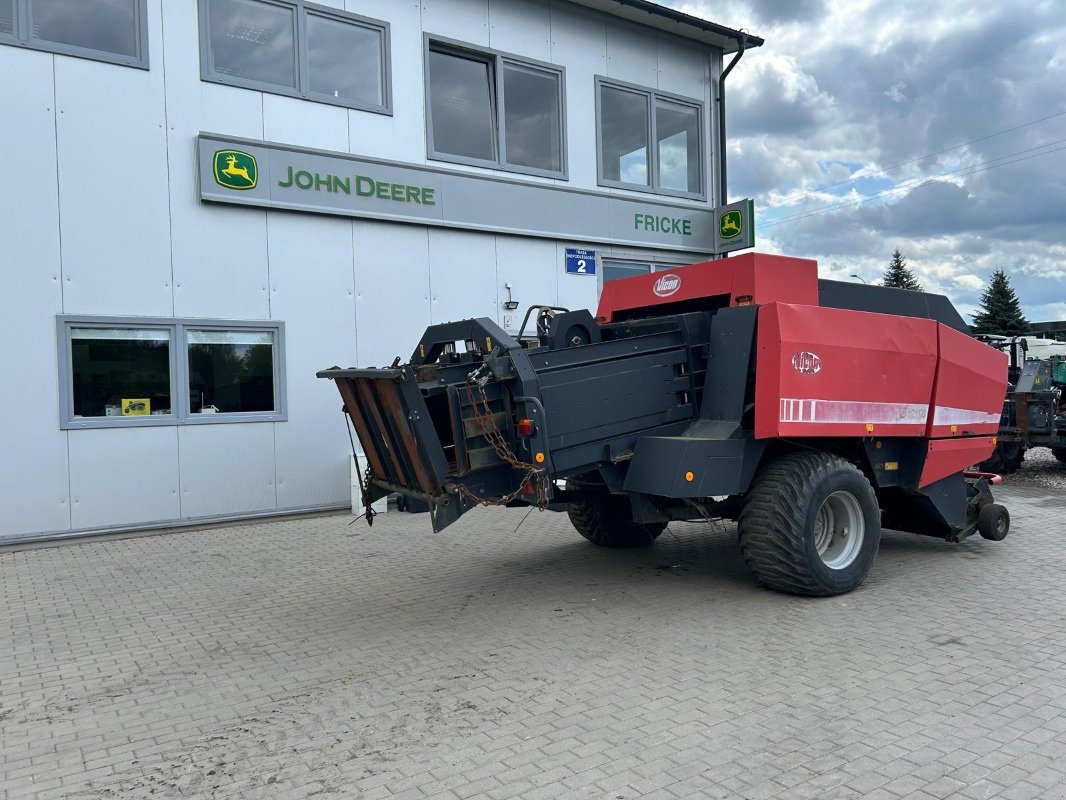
x=742 y=41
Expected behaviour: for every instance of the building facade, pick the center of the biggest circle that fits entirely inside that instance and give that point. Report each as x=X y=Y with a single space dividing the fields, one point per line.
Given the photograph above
x=206 y=201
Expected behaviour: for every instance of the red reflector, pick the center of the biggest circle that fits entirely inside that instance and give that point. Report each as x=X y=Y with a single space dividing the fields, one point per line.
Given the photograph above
x=526 y=427
x=527 y=487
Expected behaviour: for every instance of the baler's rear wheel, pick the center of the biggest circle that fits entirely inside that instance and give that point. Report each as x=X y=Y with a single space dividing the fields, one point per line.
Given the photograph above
x=608 y=521
x=1006 y=459
x=810 y=525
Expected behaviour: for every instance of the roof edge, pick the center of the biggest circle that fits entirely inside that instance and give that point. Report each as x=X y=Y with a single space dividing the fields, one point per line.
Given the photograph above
x=659 y=16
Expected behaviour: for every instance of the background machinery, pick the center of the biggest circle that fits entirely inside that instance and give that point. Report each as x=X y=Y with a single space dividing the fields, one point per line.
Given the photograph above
x=745 y=388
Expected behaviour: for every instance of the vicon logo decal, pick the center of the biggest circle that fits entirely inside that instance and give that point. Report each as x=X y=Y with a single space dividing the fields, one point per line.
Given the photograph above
x=806 y=363
x=666 y=285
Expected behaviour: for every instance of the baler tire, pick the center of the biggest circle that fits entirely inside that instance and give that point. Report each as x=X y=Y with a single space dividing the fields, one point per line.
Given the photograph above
x=993 y=522
x=608 y=522
x=1059 y=453
x=777 y=524
x=1006 y=459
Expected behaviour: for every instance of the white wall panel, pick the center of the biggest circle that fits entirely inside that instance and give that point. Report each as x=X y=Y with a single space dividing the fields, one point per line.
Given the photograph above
x=466 y=20
x=33 y=451
x=219 y=254
x=304 y=123
x=313 y=293
x=579 y=43
x=632 y=53
x=578 y=291
x=123 y=477
x=112 y=153
x=522 y=27
x=462 y=275
x=401 y=136
x=226 y=468
x=531 y=267
x=391 y=290
x=683 y=68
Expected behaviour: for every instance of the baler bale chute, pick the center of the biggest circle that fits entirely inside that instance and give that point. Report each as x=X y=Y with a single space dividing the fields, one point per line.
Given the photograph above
x=810 y=411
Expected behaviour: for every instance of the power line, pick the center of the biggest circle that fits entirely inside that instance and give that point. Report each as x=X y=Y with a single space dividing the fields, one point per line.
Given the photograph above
x=913 y=183
x=883 y=170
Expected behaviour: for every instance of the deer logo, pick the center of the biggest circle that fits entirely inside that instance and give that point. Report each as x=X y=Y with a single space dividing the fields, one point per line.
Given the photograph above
x=731 y=224
x=235 y=169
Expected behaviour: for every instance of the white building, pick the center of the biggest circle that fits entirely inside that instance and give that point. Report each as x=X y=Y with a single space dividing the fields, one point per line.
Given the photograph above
x=204 y=202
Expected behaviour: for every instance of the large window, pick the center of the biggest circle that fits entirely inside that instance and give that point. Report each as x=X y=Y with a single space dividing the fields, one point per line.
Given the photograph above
x=615 y=268
x=649 y=140
x=494 y=110
x=295 y=48
x=135 y=371
x=103 y=30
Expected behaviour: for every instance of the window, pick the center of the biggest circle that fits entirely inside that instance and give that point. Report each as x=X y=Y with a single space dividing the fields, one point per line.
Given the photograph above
x=295 y=48
x=490 y=109
x=102 y=30
x=649 y=141
x=615 y=268
x=126 y=371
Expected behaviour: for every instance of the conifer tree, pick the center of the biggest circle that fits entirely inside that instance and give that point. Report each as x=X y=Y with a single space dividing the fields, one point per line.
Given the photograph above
x=899 y=275
x=1001 y=313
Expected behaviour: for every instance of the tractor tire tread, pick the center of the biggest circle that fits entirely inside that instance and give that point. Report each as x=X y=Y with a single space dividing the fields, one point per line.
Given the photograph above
x=594 y=521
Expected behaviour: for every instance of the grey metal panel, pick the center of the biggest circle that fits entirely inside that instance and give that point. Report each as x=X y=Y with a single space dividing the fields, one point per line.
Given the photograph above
x=731 y=345
x=313 y=290
x=226 y=469
x=286 y=119
x=391 y=290
x=682 y=67
x=33 y=485
x=533 y=268
x=121 y=477
x=521 y=26
x=462 y=275
x=112 y=152
x=459 y=19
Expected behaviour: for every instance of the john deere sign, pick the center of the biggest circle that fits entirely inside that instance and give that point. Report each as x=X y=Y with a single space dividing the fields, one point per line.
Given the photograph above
x=255 y=173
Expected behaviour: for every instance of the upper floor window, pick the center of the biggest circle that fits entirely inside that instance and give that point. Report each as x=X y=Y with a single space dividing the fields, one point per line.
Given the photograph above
x=295 y=48
x=102 y=30
x=649 y=140
x=490 y=109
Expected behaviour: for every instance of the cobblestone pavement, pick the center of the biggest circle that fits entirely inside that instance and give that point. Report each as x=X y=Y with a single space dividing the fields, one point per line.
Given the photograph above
x=310 y=658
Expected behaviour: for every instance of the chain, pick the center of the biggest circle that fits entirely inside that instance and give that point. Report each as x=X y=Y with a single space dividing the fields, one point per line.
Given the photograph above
x=364 y=481
x=534 y=476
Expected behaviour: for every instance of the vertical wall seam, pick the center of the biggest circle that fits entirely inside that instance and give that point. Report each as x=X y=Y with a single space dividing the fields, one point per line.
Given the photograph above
x=61 y=363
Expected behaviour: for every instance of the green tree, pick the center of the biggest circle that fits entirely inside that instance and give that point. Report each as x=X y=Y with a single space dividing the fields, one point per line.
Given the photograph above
x=898 y=275
x=1001 y=313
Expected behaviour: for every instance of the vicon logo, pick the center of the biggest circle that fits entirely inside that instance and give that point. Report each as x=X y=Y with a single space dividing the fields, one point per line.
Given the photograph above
x=666 y=285
x=806 y=363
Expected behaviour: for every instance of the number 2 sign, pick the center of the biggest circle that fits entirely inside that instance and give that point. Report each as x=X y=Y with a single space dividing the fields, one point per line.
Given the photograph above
x=580 y=262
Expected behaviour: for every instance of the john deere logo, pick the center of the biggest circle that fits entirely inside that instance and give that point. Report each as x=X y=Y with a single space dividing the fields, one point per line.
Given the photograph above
x=731 y=224
x=235 y=170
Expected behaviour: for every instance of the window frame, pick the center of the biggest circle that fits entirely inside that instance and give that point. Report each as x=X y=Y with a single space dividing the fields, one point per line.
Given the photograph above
x=179 y=371
x=300 y=9
x=651 y=96
x=496 y=59
x=654 y=264
x=23 y=29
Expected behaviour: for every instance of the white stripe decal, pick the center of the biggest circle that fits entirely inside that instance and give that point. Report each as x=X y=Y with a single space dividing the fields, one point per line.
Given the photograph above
x=850 y=412
x=946 y=415
x=843 y=412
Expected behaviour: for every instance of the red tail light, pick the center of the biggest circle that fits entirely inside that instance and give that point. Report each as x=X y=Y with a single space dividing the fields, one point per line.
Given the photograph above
x=526 y=427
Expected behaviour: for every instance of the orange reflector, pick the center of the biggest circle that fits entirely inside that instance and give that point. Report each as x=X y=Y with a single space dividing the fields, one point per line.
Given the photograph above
x=954 y=428
x=689 y=477
x=539 y=457
x=526 y=427
x=869 y=427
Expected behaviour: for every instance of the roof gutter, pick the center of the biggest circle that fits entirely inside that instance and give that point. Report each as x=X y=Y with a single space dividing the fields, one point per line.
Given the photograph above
x=742 y=43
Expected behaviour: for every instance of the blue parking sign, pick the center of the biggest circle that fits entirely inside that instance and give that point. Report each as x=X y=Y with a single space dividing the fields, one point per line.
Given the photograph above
x=580 y=262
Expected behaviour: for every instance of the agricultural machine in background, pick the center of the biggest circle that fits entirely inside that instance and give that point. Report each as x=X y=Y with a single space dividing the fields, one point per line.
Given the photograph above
x=1034 y=412
x=810 y=411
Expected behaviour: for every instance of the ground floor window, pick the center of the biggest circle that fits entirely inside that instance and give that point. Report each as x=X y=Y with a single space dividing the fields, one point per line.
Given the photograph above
x=615 y=268
x=139 y=371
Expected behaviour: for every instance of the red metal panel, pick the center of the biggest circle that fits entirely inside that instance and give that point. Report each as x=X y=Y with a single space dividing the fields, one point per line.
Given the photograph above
x=971 y=382
x=753 y=278
x=948 y=456
x=834 y=372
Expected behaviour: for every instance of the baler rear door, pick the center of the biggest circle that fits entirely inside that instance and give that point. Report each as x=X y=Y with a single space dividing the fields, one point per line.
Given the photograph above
x=397 y=435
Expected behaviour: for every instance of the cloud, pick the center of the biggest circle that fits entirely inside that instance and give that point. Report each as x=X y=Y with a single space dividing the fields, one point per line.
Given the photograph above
x=916 y=100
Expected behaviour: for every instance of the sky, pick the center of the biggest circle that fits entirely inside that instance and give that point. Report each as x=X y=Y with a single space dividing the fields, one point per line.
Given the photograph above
x=938 y=128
